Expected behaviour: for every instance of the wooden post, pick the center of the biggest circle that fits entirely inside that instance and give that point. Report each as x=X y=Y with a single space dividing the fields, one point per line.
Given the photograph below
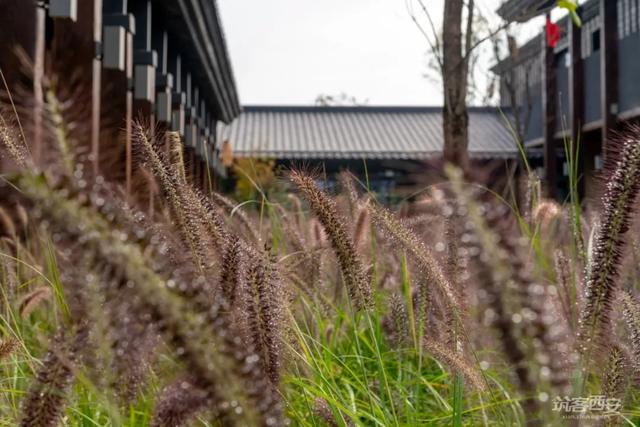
x=576 y=101
x=38 y=76
x=549 y=116
x=96 y=87
x=608 y=70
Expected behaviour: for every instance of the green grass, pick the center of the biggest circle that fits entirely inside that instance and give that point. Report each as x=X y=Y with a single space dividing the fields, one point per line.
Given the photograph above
x=347 y=361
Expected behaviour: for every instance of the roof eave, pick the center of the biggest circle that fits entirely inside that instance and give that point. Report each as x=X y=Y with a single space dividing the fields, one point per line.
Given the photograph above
x=203 y=24
x=334 y=155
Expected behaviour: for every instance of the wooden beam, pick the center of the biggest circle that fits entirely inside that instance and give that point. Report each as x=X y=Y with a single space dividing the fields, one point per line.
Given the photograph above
x=608 y=70
x=549 y=100
x=576 y=100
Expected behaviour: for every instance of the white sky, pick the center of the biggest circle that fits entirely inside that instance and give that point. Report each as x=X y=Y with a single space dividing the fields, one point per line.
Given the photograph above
x=290 y=51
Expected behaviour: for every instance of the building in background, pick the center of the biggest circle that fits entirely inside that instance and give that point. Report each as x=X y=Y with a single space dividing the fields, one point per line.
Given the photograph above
x=387 y=145
x=162 y=61
x=585 y=88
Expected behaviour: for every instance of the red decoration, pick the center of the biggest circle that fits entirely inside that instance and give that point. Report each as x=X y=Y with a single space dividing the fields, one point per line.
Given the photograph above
x=553 y=33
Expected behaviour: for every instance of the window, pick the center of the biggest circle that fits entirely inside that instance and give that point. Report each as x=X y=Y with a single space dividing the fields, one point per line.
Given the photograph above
x=595 y=41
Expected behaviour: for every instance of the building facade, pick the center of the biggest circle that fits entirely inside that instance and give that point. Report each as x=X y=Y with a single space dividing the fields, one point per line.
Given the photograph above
x=388 y=146
x=579 y=93
x=165 y=62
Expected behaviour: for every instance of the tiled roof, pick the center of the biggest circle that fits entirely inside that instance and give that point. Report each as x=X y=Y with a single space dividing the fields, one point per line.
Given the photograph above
x=524 y=10
x=359 y=132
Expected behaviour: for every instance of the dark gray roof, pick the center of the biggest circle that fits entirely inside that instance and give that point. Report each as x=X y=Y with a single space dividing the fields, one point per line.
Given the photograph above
x=358 y=132
x=524 y=10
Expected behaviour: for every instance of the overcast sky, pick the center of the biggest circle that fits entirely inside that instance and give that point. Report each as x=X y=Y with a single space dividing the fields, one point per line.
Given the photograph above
x=290 y=51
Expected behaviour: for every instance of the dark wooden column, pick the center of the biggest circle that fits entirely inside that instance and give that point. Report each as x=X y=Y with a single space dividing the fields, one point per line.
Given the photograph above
x=178 y=97
x=549 y=94
x=213 y=161
x=576 y=100
x=164 y=79
x=608 y=70
x=145 y=62
x=18 y=23
x=191 y=127
x=204 y=137
x=77 y=37
x=119 y=29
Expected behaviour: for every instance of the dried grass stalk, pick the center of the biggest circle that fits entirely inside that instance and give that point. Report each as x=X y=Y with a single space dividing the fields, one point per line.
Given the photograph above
x=325 y=210
x=456 y=363
x=32 y=300
x=409 y=241
x=602 y=273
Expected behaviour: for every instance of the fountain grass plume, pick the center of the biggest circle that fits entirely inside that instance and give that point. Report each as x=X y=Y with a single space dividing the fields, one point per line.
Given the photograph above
x=61 y=132
x=567 y=294
x=13 y=143
x=176 y=155
x=231 y=271
x=45 y=403
x=456 y=363
x=7 y=225
x=604 y=268
x=32 y=300
x=171 y=188
x=334 y=226
x=398 y=321
x=361 y=227
x=407 y=240
x=7 y=347
x=206 y=344
x=631 y=314
x=180 y=402
x=614 y=378
x=322 y=410
x=503 y=272
x=236 y=213
x=347 y=183
x=263 y=309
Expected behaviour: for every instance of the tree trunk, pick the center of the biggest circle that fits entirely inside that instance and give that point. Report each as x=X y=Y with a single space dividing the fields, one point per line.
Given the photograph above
x=455 y=118
x=455 y=127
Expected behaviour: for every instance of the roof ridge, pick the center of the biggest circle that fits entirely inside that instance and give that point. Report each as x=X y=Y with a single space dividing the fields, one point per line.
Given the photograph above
x=357 y=108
